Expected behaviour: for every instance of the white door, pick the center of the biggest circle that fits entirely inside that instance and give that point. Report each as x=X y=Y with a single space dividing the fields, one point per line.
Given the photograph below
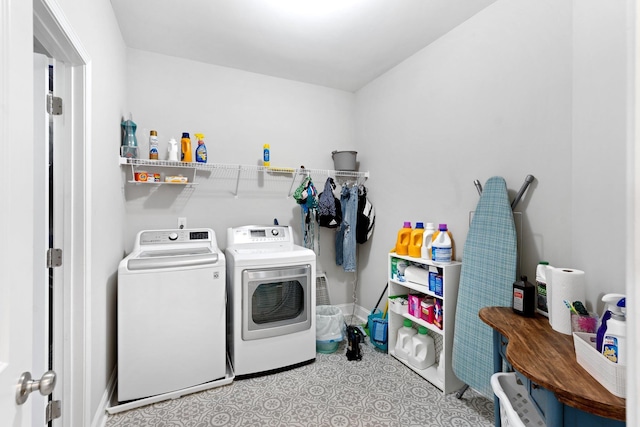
x=26 y=301
x=16 y=211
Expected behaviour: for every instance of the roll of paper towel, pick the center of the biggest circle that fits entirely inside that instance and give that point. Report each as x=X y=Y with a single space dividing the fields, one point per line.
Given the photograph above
x=563 y=284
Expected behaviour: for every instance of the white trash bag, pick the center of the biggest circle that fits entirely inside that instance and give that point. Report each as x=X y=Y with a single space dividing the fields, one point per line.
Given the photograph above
x=329 y=323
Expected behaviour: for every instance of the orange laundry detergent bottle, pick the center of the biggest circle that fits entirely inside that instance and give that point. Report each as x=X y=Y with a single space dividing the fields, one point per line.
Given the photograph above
x=187 y=155
x=404 y=235
x=415 y=242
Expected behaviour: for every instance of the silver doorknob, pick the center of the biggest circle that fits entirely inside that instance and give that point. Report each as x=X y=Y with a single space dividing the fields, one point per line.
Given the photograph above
x=26 y=385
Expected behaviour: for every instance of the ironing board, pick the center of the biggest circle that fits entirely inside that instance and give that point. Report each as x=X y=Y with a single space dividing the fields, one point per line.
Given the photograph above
x=486 y=278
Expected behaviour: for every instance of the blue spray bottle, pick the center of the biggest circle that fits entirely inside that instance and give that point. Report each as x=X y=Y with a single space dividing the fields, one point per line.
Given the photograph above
x=201 y=151
x=610 y=300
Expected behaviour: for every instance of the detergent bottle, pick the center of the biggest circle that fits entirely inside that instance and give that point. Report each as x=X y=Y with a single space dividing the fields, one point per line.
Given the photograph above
x=404 y=235
x=129 y=147
x=423 y=350
x=610 y=301
x=427 y=237
x=415 y=241
x=201 y=151
x=442 y=246
x=403 y=342
x=187 y=156
x=614 y=337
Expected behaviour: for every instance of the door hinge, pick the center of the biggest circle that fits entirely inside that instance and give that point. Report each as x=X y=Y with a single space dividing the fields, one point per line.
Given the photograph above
x=54 y=105
x=53 y=410
x=54 y=257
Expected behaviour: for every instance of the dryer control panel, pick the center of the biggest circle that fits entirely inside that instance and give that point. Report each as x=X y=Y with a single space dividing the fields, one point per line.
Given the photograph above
x=259 y=234
x=175 y=236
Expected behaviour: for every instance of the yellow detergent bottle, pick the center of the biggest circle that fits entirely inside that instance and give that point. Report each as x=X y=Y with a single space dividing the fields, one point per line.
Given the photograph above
x=415 y=242
x=187 y=156
x=404 y=235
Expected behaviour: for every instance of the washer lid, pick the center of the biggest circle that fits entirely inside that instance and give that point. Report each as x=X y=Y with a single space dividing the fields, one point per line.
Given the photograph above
x=171 y=258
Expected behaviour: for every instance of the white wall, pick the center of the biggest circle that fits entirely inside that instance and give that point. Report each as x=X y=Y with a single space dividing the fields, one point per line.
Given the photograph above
x=515 y=90
x=96 y=27
x=601 y=124
x=237 y=112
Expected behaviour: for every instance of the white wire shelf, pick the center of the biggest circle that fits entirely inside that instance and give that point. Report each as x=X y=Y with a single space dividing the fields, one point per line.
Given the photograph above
x=240 y=172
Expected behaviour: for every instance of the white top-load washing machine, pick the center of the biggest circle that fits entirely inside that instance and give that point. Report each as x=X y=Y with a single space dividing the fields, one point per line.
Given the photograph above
x=171 y=313
x=272 y=291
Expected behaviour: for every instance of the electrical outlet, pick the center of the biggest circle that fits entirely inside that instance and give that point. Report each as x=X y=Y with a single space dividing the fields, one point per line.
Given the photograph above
x=182 y=223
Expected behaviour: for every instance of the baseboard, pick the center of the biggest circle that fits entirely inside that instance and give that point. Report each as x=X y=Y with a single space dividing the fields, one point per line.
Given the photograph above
x=100 y=417
x=360 y=312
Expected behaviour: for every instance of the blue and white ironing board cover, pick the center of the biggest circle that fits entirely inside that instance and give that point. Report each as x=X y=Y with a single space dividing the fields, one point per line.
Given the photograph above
x=486 y=279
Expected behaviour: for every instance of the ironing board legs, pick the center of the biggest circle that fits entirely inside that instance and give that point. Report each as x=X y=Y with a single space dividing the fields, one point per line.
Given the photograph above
x=461 y=391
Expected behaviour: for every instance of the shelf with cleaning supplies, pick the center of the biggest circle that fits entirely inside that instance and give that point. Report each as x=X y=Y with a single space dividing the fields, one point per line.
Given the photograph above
x=292 y=176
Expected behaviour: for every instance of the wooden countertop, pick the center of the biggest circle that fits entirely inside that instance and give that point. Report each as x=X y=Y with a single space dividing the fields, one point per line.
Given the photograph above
x=547 y=358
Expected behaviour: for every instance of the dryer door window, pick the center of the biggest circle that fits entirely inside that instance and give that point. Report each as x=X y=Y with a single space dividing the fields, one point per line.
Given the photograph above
x=276 y=301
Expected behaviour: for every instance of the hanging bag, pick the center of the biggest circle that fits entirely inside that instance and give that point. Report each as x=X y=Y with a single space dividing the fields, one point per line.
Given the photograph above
x=306 y=196
x=366 y=216
x=329 y=208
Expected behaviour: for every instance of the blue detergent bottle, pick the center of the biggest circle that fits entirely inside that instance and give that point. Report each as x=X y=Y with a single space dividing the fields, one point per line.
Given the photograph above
x=610 y=300
x=129 y=147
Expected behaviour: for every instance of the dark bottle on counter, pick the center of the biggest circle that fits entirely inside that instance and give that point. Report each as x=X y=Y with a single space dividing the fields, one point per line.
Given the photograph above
x=524 y=297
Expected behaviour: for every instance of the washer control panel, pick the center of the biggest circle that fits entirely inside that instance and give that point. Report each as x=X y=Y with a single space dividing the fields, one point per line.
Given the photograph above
x=154 y=237
x=259 y=234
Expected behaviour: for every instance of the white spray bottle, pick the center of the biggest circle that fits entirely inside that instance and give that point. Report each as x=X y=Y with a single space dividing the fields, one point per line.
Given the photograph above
x=614 y=334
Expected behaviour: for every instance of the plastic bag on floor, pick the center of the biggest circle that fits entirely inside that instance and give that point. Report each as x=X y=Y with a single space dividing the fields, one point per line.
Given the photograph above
x=329 y=323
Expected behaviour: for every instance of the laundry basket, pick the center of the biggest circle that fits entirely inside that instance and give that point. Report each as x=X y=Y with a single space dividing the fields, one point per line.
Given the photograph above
x=329 y=328
x=516 y=407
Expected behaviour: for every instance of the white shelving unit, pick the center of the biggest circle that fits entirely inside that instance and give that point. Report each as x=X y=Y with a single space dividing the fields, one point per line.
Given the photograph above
x=447 y=382
x=288 y=177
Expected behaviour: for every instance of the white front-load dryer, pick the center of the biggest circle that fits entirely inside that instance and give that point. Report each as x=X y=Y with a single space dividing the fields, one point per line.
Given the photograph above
x=171 y=313
x=271 y=308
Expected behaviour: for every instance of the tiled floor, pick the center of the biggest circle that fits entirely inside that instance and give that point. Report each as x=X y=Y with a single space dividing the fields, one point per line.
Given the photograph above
x=331 y=392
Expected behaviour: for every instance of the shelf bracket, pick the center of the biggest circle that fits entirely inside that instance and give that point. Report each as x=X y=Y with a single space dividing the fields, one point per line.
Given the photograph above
x=238 y=180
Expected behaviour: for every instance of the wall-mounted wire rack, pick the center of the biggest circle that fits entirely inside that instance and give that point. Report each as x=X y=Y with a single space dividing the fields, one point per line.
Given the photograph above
x=238 y=172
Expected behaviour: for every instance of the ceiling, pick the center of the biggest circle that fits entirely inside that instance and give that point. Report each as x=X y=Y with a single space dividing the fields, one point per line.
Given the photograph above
x=343 y=44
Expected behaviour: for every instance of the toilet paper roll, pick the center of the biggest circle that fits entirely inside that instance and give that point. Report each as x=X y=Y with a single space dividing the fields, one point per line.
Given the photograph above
x=563 y=284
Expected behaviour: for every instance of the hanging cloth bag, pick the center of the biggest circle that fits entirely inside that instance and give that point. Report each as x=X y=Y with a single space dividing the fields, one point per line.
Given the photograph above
x=366 y=216
x=306 y=196
x=329 y=208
